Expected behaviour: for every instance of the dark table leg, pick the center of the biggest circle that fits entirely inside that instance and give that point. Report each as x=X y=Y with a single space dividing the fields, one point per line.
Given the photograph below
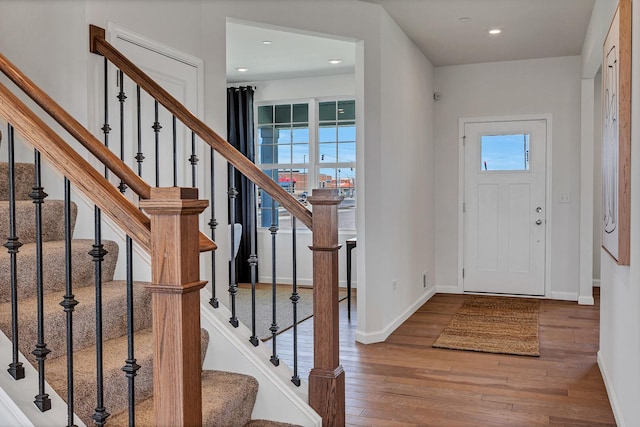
x=350 y=247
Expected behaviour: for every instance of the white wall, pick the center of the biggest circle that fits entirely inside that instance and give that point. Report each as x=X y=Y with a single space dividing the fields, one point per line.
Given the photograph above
x=527 y=87
x=620 y=294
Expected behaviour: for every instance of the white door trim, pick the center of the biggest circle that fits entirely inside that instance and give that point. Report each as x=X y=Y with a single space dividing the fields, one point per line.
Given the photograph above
x=461 y=180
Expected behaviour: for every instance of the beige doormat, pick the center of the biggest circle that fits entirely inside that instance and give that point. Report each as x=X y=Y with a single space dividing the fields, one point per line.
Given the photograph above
x=494 y=325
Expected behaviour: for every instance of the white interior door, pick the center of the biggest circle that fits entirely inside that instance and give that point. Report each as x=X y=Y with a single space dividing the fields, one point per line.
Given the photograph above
x=504 y=207
x=177 y=73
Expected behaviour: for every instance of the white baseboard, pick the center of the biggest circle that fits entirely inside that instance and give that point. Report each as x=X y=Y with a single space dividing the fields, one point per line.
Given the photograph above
x=447 y=289
x=586 y=300
x=565 y=296
x=383 y=334
x=596 y=283
x=611 y=392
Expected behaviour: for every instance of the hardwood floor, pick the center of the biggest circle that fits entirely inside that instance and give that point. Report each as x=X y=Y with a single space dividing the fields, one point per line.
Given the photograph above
x=406 y=382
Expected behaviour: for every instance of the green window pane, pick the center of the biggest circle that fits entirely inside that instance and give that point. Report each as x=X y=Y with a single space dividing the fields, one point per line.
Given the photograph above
x=347 y=110
x=300 y=113
x=327 y=111
x=283 y=113
x=265 y=114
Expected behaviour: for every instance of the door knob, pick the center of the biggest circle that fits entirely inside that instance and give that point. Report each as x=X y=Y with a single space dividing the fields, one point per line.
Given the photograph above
x=538 y=209
x=538 y=222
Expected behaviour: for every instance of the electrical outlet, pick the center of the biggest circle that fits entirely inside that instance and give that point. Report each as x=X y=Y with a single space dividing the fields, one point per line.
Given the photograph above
x=394 y=284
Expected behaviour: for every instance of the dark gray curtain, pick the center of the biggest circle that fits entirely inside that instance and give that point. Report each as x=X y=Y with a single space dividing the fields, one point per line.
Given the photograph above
x=240 y=135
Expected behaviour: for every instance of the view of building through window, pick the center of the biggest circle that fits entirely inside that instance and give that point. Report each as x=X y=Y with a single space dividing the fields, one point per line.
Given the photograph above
x=302 y=151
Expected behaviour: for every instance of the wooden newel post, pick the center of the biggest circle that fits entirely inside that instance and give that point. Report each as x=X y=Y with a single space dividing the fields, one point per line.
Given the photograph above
x=326 y=379
x=177 y=368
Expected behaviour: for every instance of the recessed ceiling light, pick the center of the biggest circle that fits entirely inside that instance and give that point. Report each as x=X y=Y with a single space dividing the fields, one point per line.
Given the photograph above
x=335 y=61
x=464 y=19
x=266 y=42
x=495 y=31
x=242 y=69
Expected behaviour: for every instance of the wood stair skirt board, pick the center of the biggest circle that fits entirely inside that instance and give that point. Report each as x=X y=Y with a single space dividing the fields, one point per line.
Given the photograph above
x=228 y=398
x=494 y=325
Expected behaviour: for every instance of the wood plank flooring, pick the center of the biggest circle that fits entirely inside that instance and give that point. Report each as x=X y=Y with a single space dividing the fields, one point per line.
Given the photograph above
x=406 y=382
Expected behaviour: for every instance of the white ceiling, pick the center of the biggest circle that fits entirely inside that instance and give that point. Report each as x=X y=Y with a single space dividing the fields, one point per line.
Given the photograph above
x=531 y=29
x=289 y=55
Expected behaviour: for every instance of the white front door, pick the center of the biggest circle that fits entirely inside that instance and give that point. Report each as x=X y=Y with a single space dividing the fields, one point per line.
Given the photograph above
x=504 y=207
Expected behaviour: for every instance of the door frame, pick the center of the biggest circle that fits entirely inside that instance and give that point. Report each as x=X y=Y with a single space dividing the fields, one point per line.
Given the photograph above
x=548 y=196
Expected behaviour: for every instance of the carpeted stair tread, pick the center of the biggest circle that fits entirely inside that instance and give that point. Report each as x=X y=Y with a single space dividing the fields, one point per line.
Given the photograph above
x=227 y=401
x=115 y=382
x=52 y=220
x=53 y=266
x=24 y=180
x=114 y=320
x=267 y=423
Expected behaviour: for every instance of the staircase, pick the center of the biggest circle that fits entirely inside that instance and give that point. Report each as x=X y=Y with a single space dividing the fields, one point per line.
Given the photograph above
x=227 y=398
x=164 y=223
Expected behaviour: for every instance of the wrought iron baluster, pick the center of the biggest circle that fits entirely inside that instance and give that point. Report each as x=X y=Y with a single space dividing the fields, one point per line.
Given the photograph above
x=233 y=286
x=13 y=245
x=156 y=130
x=121 y=98
x=213 y=224
x=274 y=321
x=193 y=160
x=68 y=302
x=139 y=155
x=98 y=252
x=294 y=302
x=131 y=367
x=175 y=150
x=41 y=351
x=106 y=128
x=253 y=260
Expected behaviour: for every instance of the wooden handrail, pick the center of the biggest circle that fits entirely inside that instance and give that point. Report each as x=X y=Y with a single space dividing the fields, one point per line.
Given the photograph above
x=99 y=45
x=79 y=172
x=82 y=135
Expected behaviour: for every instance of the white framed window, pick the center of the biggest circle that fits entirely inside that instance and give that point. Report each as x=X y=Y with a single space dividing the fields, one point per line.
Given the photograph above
x=305 y=145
